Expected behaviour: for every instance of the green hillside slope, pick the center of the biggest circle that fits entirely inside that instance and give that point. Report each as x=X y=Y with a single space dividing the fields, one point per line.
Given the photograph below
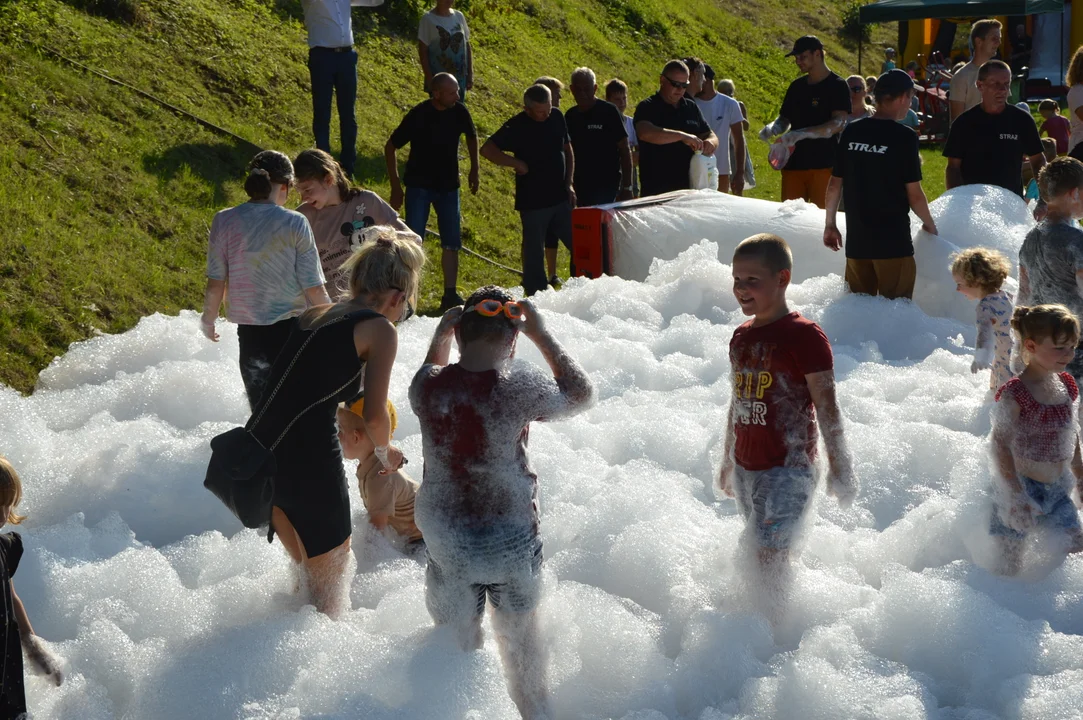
x=108 y=196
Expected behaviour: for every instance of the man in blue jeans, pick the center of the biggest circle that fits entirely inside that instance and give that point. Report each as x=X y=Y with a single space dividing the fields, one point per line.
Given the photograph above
x=536 y=145
x=332 y=67
x=432 y=129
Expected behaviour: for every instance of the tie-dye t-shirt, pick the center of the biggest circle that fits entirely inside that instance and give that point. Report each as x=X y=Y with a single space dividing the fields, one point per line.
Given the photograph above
x=267 y=257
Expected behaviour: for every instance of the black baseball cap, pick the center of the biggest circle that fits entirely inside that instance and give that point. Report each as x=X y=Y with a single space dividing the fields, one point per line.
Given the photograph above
x=894 y=82
x=804 y=44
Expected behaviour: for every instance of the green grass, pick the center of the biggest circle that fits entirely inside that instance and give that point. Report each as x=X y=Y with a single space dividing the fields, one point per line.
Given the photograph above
x=108 y=196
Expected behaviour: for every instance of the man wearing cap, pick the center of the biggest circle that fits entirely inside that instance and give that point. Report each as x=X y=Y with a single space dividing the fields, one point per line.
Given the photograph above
x=723 y=114
x=670 y=129
x=813 y=112
x=985 y=142
x=963 y=93
x=332 y=68
x=878 y=170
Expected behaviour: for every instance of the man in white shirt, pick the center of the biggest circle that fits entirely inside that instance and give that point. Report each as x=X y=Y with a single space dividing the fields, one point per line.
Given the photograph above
x=984 y=42
x=332 y=66
x=724 y=116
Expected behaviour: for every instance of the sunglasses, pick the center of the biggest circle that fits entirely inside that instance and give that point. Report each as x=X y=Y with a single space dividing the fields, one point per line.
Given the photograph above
x=492 y=308
x=856 y=89
x=674 y=83
x=408 y=311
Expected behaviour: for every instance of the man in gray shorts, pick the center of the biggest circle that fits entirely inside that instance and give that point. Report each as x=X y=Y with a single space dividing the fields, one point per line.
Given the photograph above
x=535 y=143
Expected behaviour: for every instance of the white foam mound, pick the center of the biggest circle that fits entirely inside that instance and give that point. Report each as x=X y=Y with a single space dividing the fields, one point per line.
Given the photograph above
x=164 y=608
x=968 y=216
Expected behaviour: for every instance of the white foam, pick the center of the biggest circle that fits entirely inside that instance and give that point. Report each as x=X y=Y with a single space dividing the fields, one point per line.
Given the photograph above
x=164 y=608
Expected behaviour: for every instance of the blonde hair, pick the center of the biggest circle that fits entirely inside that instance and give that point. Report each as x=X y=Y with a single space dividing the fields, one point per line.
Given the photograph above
x=727 y=87
x=858 y=77
x=387 y=260
x=982 y=268
x=1075 y=69
x=1046 y=321
x=11 y=490
x=356 y=409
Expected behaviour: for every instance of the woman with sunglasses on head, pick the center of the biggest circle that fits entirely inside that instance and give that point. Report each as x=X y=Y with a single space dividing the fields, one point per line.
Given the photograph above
x=478 y=504
x=334 y=352
x=266 y=256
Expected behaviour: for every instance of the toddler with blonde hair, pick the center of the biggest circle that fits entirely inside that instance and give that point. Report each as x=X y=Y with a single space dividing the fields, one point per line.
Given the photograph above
x=979 y=274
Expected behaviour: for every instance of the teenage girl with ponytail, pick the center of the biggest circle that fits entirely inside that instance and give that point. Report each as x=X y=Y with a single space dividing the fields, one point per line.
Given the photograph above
x=338 y=213
x=266 y=256
x=335 y=351
x=1035 y=437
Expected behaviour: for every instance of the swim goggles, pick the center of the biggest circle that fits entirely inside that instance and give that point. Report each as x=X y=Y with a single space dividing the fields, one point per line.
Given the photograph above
x=492 y=308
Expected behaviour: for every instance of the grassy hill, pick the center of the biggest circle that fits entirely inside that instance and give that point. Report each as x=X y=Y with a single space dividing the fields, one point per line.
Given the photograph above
x=108 y=195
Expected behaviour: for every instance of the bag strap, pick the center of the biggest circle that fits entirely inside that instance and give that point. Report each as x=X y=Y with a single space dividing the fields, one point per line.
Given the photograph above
x=355 y=316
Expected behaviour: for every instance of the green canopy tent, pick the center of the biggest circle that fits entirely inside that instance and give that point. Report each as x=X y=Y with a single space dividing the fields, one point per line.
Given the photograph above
x=893 y=10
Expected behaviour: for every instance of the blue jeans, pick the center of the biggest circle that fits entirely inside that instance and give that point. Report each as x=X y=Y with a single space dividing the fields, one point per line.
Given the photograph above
x=448 y=218
x=774 y=501
x=334 y=73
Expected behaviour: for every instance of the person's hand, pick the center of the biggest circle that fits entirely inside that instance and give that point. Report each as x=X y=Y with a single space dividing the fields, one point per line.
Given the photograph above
x=520 y=166
x=737 y=182
x=206 y=324
x=709 y=147
x=792 y=137
x=533 y=325
x=474 y=181
x=842 y=484
x=725 y=478
x=693 y=142
x=390 y=457
x=930 y=228
x=396 y=198
x=43 y=660
x=449 y=320
x=832 y=238
x=572 y=199
x=979 y=364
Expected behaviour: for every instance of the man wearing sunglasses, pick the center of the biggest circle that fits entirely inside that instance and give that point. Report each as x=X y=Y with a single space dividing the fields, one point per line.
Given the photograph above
x=813 y=112
x=671 y=129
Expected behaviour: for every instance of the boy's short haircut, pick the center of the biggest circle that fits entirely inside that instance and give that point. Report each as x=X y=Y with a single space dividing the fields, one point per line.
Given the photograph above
x=474 y=326
x=616 y=86
x=550 y=82
x=727 y=87
x=693 y=64
x=1047 y=104
x=769 y=249
x=1060 y=176
x=982 y=268
x=991 y=67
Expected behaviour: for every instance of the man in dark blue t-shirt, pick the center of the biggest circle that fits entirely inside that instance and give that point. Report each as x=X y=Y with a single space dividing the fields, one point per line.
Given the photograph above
x=432 y=129
x=536 y=145
x=878 y=171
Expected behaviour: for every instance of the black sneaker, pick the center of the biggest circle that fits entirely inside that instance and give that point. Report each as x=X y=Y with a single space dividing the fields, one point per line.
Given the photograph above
x=555 y=283
x=451 y=299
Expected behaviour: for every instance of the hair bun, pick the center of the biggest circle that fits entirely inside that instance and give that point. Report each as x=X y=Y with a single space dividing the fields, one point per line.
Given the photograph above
x=384 y=241
x=260 y=172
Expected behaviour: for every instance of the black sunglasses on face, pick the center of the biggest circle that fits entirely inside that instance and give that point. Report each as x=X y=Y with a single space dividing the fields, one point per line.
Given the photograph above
x=856 y=89
x=674 y=83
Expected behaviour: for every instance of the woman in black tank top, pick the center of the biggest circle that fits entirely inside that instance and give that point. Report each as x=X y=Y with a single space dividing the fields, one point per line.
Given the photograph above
x=334 y=352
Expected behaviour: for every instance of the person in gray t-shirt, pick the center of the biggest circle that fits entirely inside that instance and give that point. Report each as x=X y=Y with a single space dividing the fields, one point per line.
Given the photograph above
x=1051 y=272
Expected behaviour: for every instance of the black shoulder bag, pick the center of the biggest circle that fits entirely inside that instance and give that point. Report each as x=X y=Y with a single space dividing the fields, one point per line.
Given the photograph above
x=242 y=469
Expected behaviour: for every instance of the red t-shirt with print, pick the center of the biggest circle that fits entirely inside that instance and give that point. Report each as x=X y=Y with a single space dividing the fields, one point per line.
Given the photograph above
x=774 y=420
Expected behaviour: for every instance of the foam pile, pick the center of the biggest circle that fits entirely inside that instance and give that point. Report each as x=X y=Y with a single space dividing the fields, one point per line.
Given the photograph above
x=644 y=232
x=164 y=608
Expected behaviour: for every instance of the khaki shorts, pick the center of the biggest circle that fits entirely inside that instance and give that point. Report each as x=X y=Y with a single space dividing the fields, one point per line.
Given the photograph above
x=891 y=278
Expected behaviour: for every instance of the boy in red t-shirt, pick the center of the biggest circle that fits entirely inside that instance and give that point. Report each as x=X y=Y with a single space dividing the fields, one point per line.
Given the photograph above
x=478 y=504
x=783 y=383
x=1056 y=125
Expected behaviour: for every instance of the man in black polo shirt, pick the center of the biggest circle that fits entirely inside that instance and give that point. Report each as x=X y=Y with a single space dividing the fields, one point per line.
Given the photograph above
x=670 y=129
x=878 y=169
x=541 y=155
x=986 y=144
x=432 y=129
x=603 y=161
x=813 y=112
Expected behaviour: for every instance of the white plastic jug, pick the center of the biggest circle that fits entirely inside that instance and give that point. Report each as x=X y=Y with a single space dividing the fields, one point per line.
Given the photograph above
x=703 y=172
